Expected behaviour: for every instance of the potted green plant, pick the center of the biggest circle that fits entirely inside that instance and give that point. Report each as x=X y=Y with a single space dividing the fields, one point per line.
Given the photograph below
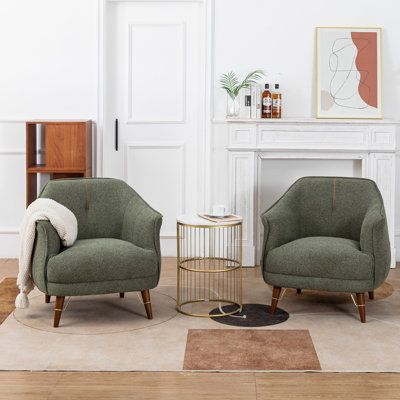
x=231 y=84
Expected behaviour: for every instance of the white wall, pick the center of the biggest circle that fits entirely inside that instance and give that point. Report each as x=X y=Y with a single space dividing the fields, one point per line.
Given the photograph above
x=279 y=37
x=48 y=69
x=49 y=59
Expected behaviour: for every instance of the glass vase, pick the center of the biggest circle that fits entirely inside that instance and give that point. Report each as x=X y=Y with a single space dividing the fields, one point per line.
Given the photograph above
x=232 y=107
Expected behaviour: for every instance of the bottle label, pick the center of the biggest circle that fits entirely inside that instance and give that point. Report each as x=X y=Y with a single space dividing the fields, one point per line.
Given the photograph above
x=267 y=101
x=276 y=102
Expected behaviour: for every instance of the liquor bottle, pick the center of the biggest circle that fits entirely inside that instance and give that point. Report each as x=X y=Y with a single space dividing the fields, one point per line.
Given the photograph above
x=276 y=102
x=266 y=103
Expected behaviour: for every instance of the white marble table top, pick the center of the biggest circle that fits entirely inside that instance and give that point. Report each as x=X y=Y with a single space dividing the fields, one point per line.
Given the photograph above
x=195 y=219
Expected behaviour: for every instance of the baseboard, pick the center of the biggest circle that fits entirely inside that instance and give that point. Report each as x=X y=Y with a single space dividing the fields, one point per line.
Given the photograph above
x=248 y=256
x=397 y=246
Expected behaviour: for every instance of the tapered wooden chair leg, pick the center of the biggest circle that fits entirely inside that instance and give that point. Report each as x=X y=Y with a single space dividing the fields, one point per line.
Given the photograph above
x=371 y=295
x=58 y=310
x=47 y=298
x=122 y=295
x=276 y=291
x=298 y=291
x=361 y=306
x=147 y=303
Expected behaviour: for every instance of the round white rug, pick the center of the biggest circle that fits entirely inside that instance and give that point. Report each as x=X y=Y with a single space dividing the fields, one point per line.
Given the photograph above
x=101 y=314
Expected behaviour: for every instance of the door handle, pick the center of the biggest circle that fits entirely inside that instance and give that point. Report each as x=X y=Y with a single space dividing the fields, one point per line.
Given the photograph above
x=116 y=134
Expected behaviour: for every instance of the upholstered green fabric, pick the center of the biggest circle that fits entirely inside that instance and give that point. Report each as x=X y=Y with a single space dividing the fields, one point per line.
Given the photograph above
x=118 y=246
x=326 y=284
x=327 y=233
x=119 y=286
x=139 y=225
x=98 y=260
x=374 y=240
x=321 y=257
x=98 y=204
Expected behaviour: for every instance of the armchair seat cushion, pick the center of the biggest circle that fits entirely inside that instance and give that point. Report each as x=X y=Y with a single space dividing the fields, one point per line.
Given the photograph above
x=320 y=257
x=100 y=260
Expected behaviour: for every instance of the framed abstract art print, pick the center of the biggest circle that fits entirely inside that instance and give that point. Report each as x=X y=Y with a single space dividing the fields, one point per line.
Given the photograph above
x=349 y=72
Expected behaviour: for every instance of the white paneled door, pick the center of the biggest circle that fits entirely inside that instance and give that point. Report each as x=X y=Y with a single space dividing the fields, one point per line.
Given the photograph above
x=154 y=104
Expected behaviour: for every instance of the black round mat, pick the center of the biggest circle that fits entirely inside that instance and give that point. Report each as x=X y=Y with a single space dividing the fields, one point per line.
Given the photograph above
x=256 y=315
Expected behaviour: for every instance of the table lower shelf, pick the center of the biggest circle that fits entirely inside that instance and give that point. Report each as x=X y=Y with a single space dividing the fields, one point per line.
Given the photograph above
x=209 y=305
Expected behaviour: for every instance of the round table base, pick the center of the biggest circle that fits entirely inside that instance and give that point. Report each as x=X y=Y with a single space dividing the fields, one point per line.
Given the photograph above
x=236 y=309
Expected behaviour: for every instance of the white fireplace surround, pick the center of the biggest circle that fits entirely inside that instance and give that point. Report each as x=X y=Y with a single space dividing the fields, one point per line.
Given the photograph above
x=372 y=142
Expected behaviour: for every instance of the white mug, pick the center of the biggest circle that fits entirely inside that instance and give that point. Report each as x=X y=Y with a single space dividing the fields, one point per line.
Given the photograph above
x=219 y=210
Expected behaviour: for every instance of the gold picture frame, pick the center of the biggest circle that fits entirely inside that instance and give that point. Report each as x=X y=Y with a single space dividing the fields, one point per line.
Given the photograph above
x=349 y=72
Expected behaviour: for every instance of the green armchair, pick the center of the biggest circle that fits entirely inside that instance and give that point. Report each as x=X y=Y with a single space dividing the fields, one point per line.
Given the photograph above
x=327 y=233
x=117 y=248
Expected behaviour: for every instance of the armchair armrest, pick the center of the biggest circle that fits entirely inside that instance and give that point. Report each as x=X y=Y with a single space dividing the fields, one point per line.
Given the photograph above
x=281 y=225
x=374 y=240
x=47 y=244
x=141 y=225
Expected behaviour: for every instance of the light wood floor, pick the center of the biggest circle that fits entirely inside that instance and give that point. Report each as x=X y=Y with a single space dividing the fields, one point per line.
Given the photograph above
x=182 y=385
x=196 y=386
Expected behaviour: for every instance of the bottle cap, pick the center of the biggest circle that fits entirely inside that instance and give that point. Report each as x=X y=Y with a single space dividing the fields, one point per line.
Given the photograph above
x=267 y=86
x=276 y=85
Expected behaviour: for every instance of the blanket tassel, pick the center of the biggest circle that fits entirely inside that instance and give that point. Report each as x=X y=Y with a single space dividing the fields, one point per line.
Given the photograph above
x=22 y=300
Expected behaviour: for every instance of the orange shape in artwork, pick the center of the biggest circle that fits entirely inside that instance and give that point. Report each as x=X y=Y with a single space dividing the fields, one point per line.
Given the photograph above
x=367 y=65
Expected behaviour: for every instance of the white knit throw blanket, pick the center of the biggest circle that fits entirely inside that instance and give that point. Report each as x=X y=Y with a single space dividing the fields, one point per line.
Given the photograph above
x=63 y=221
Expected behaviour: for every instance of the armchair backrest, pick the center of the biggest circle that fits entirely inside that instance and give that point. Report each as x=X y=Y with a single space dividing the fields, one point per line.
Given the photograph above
x=98 y=203
x=332 y=206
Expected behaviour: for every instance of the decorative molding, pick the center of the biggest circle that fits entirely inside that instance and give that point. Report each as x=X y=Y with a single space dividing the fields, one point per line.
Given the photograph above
x=243 y=136
x=382 y=171
x=282 y=136
x=16 y=151
x=23 y=121
x=305 y=121
x=12 y=151
x=182 y=120
x=160 y=145
x=241 y=168
x=207 y=37
x=9 y=230
x=299 y=135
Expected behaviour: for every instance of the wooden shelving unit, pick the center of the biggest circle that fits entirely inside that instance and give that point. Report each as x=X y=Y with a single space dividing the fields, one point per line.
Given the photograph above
x=64 y=151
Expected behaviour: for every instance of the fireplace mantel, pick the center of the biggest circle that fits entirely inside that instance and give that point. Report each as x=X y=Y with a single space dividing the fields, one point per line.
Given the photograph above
x=372 y=142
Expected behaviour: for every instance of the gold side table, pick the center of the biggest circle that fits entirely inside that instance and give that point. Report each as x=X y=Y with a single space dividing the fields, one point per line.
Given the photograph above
x=209 y=266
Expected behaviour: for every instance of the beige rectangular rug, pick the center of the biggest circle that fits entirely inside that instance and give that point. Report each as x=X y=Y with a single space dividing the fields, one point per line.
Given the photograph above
x=109 y=333
x=247 y=349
